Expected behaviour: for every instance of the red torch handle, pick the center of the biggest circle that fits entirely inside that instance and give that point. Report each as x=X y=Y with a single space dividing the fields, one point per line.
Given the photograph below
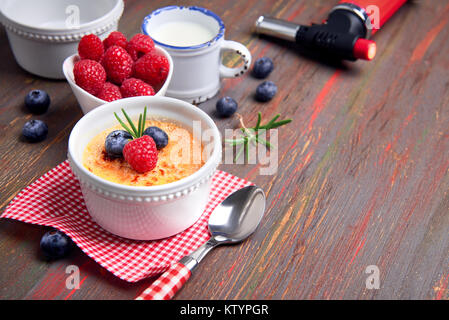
x=384 y=8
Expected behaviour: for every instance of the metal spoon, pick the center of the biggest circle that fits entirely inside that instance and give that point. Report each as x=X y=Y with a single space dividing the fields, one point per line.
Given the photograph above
x=232 y=221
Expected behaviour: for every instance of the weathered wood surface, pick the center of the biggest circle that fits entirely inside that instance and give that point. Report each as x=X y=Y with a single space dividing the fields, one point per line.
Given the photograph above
x=362 y=180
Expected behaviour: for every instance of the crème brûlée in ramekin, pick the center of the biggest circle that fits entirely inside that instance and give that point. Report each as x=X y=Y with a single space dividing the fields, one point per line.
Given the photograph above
x=144 y=212
x=181 y=157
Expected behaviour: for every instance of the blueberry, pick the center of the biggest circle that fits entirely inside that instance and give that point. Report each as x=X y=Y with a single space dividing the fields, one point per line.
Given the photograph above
x=35 y=130
x=266 y=91
x=37 y=101
x=55 y=244
x=262 y=67
x=226 y=107
x=115 y=142
x=159 y=136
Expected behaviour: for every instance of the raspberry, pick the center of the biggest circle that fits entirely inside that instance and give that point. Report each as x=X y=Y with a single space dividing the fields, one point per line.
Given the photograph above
x=141 y=154
x=118 y=64
x=89 y=75
x=139 y=45
x=133 y=87
x=152 y=68
x=91 y=47
x=110 y=92
x=115 y=38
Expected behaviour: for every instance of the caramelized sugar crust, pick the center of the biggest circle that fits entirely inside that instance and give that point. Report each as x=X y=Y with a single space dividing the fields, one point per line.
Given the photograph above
x=179 y=159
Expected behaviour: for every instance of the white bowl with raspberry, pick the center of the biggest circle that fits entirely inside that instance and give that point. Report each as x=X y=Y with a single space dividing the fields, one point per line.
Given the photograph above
x=112 y=69
x=154 y=212
x=43 y=33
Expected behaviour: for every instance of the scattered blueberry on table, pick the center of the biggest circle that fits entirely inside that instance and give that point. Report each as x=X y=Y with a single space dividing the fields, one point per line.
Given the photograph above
x=35 y=130
x=266 y=91
x=55 y=244
x=37 y=101
x=262 y=67
x=159 y=136
x=226 y=107
x=115 y=142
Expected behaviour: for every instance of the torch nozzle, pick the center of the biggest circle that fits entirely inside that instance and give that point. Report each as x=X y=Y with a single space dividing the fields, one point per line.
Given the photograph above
x=277 y=28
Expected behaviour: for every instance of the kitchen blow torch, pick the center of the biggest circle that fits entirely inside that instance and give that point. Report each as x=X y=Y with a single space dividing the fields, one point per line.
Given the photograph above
x=343 y=35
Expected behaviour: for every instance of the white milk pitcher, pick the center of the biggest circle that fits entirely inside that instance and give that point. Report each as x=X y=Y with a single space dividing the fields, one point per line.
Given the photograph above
x=194 y=37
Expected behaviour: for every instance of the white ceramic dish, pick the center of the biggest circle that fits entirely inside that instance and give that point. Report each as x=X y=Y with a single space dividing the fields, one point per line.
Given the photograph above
x=43 y=33
x=88 y=101
x=145 y=213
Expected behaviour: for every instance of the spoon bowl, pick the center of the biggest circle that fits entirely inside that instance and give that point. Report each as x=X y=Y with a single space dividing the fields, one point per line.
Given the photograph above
x=238 y=216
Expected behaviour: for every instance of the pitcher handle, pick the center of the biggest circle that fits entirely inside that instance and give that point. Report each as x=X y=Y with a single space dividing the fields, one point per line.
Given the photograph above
x=242 y=51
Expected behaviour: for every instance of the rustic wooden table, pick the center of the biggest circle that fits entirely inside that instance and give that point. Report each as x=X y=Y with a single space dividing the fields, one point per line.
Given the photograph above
x=362 y=180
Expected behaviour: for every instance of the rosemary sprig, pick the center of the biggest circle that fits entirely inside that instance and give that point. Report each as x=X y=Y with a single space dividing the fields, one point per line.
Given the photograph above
x=143 y=120
x=139 y=126
x=131 y=129
x=251 y=135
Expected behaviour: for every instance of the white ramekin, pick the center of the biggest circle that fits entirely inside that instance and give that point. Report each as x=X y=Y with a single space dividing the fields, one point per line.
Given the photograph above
x=88 y=101
x=42 y=33
x=145 y=213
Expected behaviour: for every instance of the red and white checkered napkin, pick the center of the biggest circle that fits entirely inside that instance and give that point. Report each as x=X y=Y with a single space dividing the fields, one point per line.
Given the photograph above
x=55 y=200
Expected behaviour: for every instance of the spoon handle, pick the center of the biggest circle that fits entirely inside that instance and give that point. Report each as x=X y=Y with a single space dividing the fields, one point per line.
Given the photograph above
x=166 y=286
